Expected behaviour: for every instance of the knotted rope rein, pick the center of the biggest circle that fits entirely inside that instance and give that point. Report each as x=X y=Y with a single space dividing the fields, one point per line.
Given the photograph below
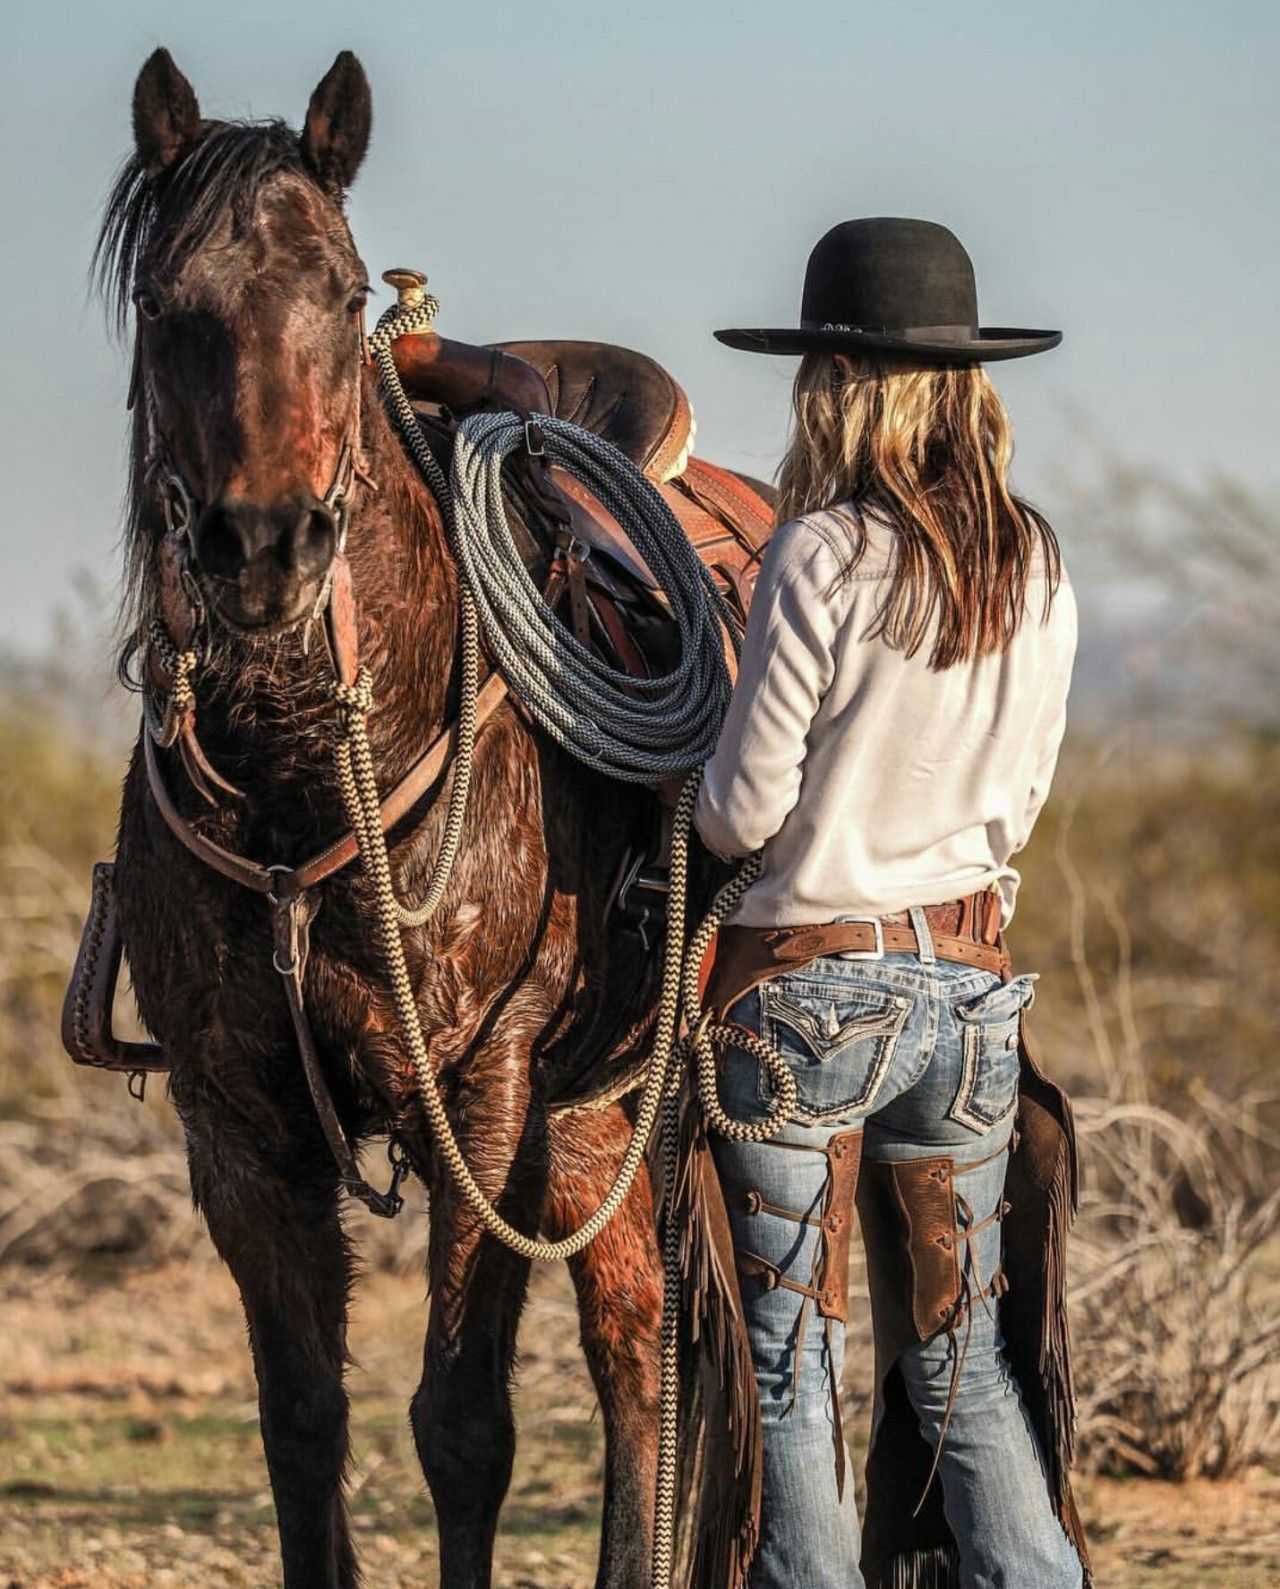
x=181 y=667
x=634 y=730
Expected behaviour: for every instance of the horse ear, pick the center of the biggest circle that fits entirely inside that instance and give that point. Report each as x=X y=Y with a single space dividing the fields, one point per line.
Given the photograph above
x=339 y=119
x=166 y=117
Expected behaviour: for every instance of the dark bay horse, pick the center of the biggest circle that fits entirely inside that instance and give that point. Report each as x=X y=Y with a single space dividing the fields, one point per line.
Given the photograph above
x=229 y=240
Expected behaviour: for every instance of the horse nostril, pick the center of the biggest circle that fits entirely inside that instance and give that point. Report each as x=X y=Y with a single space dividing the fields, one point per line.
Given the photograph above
x=315 y=539
x=295 y=539
x=220 y=548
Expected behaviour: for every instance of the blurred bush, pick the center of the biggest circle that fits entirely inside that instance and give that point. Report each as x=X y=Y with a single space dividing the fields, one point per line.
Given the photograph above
x=1152 y=904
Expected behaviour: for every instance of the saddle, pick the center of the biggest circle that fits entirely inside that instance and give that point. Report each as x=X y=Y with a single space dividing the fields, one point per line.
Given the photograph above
x=632 y=402
x=618 y=393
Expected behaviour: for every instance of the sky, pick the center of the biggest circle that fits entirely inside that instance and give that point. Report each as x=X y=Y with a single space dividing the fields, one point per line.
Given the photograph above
x=646 y=172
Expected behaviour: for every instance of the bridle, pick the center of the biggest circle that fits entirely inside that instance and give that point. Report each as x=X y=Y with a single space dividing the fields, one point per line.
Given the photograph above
x=290 y=891
x=181 y=506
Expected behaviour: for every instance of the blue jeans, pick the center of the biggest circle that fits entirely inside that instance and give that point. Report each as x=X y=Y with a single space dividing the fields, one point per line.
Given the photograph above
x=924 y=1057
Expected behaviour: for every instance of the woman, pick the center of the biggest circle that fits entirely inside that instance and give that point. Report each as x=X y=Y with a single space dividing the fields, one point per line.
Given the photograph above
x=890 y=743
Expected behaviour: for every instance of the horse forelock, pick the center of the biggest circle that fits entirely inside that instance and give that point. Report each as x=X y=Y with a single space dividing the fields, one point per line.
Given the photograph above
x=159 y=222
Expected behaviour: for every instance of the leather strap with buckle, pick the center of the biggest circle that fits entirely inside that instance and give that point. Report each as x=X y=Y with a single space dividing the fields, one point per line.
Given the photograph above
x=965 y=931
x=871 y=939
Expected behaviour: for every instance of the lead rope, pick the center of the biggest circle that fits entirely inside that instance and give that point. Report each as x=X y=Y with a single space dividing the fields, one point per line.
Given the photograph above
x=623 y=726
x=698 y=1046
x=354 y=762
x=397 y=321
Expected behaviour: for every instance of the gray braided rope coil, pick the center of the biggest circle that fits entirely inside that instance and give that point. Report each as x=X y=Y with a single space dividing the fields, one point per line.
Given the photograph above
x=637 y=730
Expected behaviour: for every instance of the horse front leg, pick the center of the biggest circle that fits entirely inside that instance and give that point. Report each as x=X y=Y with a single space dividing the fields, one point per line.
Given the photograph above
x=461 y=1414
x=273 y=1217
x=618 y=1279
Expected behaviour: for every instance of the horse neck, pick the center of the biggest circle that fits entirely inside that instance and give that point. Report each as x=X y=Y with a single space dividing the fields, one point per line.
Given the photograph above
x=406 y=591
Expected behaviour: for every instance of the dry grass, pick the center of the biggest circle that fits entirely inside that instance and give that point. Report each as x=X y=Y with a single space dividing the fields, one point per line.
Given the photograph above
x=131 y=1458
x=1153 y=908
x=1177 y=1319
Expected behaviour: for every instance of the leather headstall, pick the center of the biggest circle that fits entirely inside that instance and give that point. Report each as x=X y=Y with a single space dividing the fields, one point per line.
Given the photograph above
x=290 y=891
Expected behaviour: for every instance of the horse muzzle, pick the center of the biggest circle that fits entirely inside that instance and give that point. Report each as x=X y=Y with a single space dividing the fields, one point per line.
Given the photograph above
x=263 y=568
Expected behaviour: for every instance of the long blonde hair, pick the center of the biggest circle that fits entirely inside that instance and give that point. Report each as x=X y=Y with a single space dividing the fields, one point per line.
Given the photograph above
x=926 y=448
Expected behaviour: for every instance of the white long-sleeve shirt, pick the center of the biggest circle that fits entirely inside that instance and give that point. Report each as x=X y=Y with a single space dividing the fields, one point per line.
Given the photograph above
x=871 y=781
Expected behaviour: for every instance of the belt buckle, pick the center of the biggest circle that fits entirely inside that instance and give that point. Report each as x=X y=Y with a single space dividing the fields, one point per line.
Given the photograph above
x=863 y=954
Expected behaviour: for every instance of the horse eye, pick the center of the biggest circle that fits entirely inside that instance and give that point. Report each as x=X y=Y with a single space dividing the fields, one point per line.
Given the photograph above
x=147 y=304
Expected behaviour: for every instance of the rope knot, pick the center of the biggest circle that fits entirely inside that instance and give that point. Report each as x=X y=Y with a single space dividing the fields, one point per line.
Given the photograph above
x=179 y=665
x=354 y=700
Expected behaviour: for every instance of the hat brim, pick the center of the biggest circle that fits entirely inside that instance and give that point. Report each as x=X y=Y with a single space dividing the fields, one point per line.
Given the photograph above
x=991 y=343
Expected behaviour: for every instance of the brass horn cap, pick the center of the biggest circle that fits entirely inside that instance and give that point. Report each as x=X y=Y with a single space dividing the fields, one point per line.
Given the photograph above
x=410 y=285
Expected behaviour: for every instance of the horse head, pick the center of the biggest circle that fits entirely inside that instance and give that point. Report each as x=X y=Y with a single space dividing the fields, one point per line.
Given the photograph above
x=230 y=242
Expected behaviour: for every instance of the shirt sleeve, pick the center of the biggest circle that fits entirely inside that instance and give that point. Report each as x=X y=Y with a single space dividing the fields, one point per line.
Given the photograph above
x=753 y=779
x=1054 y=716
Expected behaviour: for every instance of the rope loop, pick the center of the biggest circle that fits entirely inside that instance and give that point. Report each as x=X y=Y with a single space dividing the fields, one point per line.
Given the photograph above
x=707 y=1037
x=635 y=730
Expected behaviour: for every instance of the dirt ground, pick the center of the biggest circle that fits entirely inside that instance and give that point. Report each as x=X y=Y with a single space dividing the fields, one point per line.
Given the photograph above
x=129 y=1453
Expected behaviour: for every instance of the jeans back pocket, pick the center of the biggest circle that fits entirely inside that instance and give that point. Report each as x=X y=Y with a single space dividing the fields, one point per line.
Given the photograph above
x=837 y=1042
x=989 y=1064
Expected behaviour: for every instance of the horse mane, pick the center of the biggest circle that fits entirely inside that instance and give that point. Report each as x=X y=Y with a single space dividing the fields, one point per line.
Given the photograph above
x=162 y=220
x=156 y=223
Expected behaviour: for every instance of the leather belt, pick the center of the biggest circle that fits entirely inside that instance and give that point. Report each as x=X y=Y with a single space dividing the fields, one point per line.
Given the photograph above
x=802 y=944
x=965 y=931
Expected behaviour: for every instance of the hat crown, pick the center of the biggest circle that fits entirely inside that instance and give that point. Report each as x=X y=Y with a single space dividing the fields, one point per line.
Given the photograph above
x=889 y=274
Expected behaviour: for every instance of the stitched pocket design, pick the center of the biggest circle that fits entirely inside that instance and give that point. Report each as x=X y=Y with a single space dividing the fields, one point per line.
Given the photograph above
x=988 y=1089
x=838 y=1048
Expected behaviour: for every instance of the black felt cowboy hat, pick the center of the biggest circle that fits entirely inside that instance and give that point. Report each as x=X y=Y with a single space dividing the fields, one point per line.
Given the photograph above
x=898 y=285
